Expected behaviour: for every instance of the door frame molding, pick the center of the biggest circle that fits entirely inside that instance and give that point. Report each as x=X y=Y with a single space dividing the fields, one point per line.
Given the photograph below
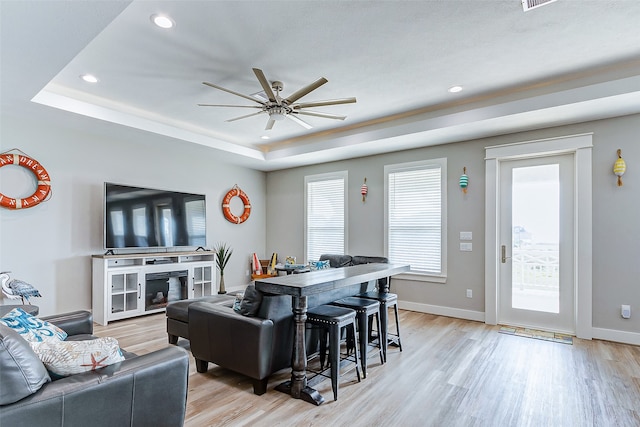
x=581 y=147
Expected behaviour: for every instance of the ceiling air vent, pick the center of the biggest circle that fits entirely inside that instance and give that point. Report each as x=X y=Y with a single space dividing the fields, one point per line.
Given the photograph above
x=532 y=4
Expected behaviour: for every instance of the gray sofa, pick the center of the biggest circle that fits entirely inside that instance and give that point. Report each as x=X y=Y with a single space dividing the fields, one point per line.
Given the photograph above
x=147 y=390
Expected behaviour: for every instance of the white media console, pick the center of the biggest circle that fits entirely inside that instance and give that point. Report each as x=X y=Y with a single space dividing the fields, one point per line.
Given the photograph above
x=131 y=285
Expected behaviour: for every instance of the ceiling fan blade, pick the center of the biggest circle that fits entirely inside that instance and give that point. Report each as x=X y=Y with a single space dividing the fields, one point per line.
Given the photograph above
x=265 y=84
x=319 y=114
x=244 y=117
x=305 y=90
x=270 y=124
x=224 y=105
x=299 y=121
x=325 y=103
x=232 y=92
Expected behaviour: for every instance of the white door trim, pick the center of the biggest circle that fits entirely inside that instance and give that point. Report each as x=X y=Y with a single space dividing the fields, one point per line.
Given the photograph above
x=581 y=146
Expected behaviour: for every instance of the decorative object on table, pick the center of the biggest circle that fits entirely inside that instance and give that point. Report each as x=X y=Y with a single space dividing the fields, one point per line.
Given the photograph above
x=226 y=210
x=43 y=189
x=619 y=167
x=364 y=190
x=290 y=260
x=271 y=270
x=256 y=266
x=464 y=180
x=15 y=289
x=319 y=265
x=223 y=253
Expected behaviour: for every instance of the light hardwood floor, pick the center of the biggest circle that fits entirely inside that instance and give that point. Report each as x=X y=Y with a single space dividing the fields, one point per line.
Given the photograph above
x=451 y=373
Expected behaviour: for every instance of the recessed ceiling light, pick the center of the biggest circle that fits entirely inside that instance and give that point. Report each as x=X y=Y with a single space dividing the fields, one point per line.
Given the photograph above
x=89 y=78
x=162 y=21
x=265 y=137
x=455 y=89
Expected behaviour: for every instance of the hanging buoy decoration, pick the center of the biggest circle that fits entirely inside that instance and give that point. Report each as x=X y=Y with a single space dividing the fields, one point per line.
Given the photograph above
x=364 y=190
x=226 y=210
x=464 y=180
x=44 y=181
x=619 y=167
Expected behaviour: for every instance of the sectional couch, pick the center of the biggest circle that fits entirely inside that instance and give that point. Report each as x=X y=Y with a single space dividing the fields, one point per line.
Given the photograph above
x=147 y=390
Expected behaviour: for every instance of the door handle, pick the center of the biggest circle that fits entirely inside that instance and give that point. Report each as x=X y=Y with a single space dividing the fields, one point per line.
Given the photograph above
x=504 y=254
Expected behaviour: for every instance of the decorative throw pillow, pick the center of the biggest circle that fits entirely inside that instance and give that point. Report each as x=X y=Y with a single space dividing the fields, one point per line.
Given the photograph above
x=21 y=371
x=73 y=357
x=237 y=302
x=251 y=301
x=31 y=328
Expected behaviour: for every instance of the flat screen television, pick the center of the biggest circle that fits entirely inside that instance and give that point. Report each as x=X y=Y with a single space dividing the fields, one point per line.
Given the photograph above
x=136 y=217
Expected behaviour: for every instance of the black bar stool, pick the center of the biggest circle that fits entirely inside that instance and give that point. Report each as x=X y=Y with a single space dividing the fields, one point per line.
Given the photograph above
x=386 y=300
x=364 y=308
x=332 y=319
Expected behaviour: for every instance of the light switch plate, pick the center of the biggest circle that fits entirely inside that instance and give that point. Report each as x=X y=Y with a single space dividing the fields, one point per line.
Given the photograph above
x=466 y=247
x=466 y=235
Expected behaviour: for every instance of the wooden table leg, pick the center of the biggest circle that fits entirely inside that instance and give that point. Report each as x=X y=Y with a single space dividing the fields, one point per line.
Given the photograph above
x=297 y=386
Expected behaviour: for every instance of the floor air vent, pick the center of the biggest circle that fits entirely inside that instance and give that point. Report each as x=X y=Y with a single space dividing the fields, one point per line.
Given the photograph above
x=532 y=4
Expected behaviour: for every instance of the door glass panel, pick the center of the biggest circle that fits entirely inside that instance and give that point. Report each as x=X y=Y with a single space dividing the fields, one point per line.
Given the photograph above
x=535 y=239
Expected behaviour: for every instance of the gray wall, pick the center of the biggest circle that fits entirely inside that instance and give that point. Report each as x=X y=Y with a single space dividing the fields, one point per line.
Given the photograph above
x=616 y=270
x=50 y=245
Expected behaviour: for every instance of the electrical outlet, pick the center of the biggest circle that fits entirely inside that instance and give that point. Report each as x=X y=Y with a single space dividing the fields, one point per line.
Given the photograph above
x=626 y=311
x=469 y=293
x=466 y=247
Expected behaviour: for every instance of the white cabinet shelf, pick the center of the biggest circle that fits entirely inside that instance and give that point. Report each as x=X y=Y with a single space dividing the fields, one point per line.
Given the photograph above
x=136 y=284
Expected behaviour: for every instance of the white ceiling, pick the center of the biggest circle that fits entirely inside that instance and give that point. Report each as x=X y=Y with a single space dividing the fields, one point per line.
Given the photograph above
x=566 y=62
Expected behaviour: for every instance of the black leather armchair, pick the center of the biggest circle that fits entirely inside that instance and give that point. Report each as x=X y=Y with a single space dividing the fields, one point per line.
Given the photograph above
x=147 y=390
x=253 y=346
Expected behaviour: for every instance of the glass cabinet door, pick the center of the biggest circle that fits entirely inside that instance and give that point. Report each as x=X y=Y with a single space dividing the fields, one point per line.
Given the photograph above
x=125 y=293
x=203 y=283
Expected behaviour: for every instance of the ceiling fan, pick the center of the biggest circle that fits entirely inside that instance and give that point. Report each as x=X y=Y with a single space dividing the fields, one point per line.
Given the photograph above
x=279 y=108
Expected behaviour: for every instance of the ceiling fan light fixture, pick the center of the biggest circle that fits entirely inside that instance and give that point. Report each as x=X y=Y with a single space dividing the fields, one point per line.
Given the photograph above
x=277 y=113
x=162 y=21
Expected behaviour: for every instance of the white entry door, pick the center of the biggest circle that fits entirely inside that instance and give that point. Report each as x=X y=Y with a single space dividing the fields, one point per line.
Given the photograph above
x=536 y=239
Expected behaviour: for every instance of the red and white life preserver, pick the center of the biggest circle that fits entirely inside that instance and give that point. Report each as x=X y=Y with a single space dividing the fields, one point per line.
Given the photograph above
x=236 y=191
x=44 y=181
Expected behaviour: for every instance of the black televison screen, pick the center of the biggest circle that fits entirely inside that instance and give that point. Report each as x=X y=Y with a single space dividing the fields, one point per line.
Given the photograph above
x=136 y=217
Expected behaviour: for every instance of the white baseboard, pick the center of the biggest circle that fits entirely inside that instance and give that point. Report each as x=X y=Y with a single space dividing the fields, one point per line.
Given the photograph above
x=624 y=337
x=439 y=310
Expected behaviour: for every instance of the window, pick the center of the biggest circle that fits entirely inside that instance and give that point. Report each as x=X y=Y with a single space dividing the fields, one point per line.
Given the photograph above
x=325 y=214
x=415 y=220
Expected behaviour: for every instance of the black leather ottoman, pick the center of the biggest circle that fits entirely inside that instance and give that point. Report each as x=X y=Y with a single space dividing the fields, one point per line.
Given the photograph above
x=178 y=314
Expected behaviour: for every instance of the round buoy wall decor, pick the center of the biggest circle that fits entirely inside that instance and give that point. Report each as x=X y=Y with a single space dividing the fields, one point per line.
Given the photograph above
x=226 y=207
x=43 y=189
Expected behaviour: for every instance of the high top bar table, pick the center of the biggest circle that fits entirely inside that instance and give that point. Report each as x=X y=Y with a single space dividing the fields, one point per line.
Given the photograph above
x=301 y=286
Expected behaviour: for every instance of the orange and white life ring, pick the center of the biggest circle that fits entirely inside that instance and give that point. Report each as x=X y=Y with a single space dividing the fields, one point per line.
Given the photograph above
x=226 y=210
x=44 y=181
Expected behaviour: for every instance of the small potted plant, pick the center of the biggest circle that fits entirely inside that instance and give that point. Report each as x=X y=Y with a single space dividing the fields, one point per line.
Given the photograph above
x=223 y=253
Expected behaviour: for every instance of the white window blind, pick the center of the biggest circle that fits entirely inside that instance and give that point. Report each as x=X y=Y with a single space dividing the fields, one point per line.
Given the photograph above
x=416 y=216
x=325 y=205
